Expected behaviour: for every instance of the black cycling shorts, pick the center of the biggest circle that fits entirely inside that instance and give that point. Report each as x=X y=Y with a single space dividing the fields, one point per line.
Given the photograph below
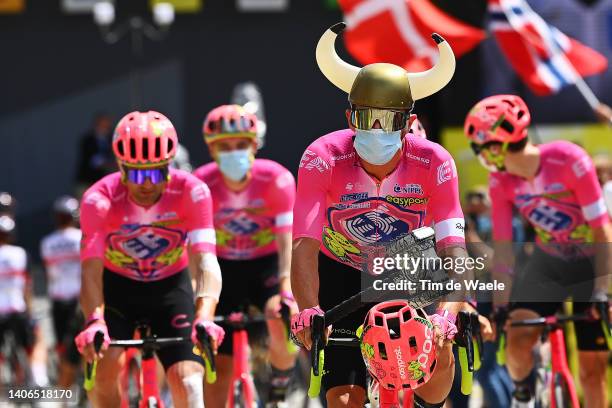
x=167 y=305
x=20 y=325
x=67 y=321
x=552 y=280
x=246 y=283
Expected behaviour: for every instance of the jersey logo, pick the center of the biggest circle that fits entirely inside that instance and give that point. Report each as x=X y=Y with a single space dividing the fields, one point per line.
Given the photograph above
x=372 y=227
x=145 y=249
x=549 y=218
x=241 y=226
x=445 y=172
x=310 y=160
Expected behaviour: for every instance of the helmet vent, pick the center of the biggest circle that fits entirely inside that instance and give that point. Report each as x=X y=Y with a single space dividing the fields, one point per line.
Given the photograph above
x=145 y=149
x=378 y=321
x=421 y=380
x=120 y=148
x=390 y=386
x=132 y=148
x=382 y=350
x=422 y=314
x=394 y=327
x=433 y=365
x=520 y=114
x=170 y=145
x=406 y=386
x=507 y=126
x=471 y=130
x=406 y=315
x=157 y=147
x=413 y=345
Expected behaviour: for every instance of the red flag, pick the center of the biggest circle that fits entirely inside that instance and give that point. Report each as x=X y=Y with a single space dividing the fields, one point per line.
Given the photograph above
x=546 y=59
x=399 y=32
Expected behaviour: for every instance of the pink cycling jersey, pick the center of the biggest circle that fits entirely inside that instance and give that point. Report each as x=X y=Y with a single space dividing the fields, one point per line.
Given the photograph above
x=355 y=216
x=147 y=243
x=563 y=202
x=246 y=221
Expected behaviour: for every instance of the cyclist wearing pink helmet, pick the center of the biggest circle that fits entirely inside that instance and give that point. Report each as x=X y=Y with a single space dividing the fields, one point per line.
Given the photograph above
x=360 y=190
x=554 y=186
x=142 y=226
x=252 y=210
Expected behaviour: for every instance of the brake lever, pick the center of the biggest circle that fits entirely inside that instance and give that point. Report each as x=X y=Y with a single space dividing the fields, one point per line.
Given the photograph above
x=207 y=352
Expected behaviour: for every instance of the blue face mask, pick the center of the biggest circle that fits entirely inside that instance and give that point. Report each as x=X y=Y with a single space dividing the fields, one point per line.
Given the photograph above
x=377 y=146
x=235 y=164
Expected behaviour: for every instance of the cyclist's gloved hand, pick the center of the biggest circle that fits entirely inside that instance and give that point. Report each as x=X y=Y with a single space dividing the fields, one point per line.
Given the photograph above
x=302 y=321
x=215 y=332
x=445 y=321
x=84 y=340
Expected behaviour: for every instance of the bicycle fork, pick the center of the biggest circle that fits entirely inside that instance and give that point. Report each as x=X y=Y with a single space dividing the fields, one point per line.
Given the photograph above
x=241 y=369
x=559 y=366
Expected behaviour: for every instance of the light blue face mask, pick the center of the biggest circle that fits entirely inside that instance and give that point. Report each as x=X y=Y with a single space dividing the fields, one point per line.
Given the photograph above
x=377 y=146
x=234 y=164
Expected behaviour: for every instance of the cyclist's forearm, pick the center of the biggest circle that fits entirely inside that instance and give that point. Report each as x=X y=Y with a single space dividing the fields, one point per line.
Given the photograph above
x=92 y=296
x=283 y=242
x=460 y=273
x=205 y=307
x=603 y=259
x=305 y=273
x=207 y=275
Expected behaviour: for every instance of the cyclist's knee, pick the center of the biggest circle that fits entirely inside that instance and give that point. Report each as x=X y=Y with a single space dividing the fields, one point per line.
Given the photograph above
x=593 y=366
x=351 y=396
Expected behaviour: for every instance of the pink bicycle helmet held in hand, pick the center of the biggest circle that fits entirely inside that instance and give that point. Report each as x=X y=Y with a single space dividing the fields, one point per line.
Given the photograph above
x=144 y=138
x=498 y=118
x=229 y=121
x=398 y=345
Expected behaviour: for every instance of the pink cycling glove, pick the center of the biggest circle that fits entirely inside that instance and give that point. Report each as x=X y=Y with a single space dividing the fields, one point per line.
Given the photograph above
x=303 y=319
x=446 y=322
x=95 y=323
x=215 y=331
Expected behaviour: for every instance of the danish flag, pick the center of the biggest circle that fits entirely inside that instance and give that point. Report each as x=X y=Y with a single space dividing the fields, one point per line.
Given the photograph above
x=399 y=32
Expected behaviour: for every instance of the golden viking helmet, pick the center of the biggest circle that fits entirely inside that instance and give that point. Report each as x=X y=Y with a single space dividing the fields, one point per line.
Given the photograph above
x=381 y=85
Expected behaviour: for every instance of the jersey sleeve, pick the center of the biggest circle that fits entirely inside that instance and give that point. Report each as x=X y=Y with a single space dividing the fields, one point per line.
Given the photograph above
x=582 y=179
x=314 y=175
x=282 y=195
x=94 y=211
x=444 y=206
x=501 y=210
x=197 y=207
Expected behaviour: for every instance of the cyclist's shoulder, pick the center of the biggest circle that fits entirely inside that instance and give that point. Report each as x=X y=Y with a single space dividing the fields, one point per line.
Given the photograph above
x=335 y=142
x=425 y=152
x=268 y=168
x=208 y=172
x=13 y=252
x=104 y=189
x=561 y=150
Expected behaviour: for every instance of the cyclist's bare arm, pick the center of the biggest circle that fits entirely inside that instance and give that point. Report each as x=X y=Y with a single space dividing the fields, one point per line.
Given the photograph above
x=207 y=275
x=283 y=243
x=92 y=296
x=305 y=278
x=455 y=251
x=603 y=258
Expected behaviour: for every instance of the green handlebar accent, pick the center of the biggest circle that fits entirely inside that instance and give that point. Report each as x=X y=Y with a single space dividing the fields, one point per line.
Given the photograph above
x=91 y=378
x=291 y=347
x=466 y=375
x=477 y=360
x=606 y=329
x=500 y=354
x=211 y=375
x=315 y=381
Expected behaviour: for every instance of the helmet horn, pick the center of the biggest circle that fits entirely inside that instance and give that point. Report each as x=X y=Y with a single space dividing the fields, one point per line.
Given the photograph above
x=423 y=84
x=331 y=65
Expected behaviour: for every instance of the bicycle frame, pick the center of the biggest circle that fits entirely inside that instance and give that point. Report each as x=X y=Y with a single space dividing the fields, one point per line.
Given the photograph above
x=241 y=368
x=559 y=365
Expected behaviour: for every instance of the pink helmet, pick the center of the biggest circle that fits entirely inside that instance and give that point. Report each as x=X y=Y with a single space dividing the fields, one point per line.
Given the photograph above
x=398 y=345
x=417 y=129
x=143 y=138
x=229 y=121
x=498 y=118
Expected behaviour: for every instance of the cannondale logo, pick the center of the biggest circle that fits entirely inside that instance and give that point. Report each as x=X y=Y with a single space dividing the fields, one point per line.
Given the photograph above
x=372 y=227
x=445 y=172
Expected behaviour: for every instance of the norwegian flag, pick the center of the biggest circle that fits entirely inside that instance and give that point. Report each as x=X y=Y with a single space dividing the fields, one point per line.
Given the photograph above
x=546 y=59
x=399 y=32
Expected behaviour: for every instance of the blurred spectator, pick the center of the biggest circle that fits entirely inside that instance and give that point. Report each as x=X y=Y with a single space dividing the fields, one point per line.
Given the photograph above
x=7 y=204
x=603 y=166
x=477 y=208
x=96 y=158
x=181 y=160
